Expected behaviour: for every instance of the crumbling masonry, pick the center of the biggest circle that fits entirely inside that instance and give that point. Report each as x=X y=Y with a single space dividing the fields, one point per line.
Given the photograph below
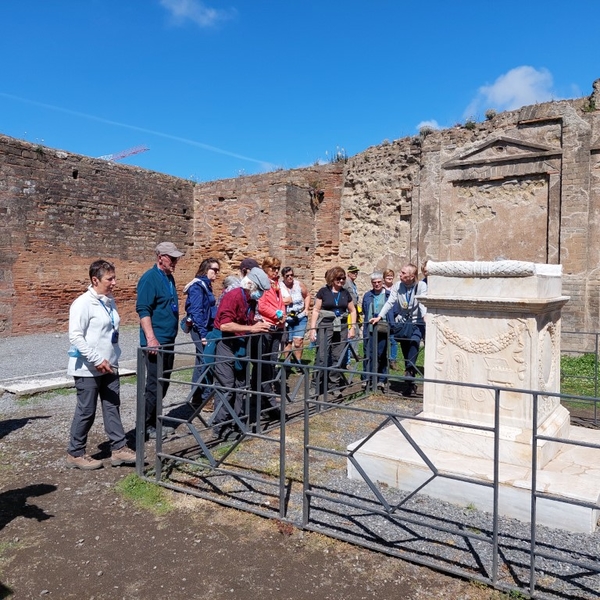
x=521 y=185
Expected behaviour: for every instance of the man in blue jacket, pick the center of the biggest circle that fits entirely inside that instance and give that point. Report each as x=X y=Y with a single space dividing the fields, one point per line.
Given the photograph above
x=375 y=338
x=158 y=308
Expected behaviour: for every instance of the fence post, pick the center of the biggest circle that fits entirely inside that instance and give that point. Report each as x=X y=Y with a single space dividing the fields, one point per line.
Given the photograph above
x=140 y=418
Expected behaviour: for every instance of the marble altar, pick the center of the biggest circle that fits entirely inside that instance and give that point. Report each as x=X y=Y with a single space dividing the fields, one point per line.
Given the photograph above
x=491 y=324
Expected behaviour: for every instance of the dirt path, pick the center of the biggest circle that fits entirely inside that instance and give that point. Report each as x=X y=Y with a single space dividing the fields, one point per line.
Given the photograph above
x=69 y=534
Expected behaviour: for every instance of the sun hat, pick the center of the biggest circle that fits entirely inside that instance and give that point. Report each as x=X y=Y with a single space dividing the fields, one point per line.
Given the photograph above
x=168 y=248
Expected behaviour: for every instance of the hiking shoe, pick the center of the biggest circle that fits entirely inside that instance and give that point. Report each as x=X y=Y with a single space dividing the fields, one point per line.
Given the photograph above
x=122 y=456
x=223 y=432
x=85 y=462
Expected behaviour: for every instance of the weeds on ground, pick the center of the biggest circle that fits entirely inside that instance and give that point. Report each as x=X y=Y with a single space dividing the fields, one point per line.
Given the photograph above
x=6 y=548
x=5 y=464
x=144 y=494
x=32 y=399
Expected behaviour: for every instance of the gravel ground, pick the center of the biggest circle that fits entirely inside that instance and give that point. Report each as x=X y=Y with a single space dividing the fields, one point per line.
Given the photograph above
x=37 y=429
x=447 y=536
x=69 y=534
x=46 y=353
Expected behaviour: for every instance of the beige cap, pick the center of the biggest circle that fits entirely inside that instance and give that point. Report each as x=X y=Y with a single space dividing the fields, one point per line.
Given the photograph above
x=168 y=248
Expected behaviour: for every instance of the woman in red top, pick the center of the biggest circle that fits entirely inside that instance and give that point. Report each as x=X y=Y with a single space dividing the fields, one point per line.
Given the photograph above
x=272 y=310
x=271 y=306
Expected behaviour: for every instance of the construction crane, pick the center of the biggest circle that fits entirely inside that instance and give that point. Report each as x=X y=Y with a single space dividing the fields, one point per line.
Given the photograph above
x=125 y=153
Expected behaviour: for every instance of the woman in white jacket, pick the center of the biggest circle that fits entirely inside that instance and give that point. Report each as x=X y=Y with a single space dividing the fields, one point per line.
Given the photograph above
x=93 y=362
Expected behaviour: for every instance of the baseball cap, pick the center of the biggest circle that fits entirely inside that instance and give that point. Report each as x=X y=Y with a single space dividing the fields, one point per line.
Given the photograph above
x=247 y=264
x=168 y=248
x=259 y=278
x=352 y=269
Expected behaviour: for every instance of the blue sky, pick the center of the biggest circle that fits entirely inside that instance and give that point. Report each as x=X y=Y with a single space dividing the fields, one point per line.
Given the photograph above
x=220 y=89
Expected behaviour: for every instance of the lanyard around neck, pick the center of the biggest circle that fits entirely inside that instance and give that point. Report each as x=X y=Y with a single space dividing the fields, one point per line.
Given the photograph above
x=168 y=284
x=109 y=312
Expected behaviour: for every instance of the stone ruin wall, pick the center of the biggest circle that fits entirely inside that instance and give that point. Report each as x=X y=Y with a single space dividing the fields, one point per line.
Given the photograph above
x=62 y=211
x=292 y=215
x=523 y=185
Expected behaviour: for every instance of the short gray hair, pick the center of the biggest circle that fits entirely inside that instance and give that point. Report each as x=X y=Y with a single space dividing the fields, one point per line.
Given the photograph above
x=376 y=275
x=231 y=281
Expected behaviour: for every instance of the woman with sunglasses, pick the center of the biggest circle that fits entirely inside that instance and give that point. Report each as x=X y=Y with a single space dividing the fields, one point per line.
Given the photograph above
x=201 y=308
x=329 y=327
x=297 y=302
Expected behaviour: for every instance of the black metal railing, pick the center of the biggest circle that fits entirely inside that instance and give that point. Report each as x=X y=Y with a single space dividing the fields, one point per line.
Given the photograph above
x=295 y=469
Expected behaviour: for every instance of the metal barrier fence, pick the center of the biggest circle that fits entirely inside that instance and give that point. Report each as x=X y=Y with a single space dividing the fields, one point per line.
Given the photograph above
x=294 y=469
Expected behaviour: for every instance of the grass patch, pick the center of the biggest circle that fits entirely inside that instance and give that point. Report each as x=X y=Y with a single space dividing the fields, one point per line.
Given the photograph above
x=144 y=494
x=184 y=375
x=578 y=375
x=27 y=399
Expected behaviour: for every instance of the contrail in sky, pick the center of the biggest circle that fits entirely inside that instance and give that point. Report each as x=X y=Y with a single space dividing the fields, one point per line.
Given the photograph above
x=168 y=136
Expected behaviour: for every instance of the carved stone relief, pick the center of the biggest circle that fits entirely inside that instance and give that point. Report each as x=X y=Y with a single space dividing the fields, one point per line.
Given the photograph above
x=497 y=359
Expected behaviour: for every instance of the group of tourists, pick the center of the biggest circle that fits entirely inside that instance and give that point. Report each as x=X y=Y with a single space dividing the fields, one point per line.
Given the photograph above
x=264 y=299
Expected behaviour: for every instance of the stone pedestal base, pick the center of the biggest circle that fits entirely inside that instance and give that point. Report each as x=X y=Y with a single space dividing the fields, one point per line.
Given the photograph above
x=515 y=442
x=571 y=472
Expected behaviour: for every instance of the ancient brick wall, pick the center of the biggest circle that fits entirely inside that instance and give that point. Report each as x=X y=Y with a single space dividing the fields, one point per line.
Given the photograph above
x=292 y=215
x=62 y=211
x=523 y=185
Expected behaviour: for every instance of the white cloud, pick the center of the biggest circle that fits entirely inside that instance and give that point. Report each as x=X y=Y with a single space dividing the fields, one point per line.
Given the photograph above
x=196 y=11
x=430 y=123
x=519 y=87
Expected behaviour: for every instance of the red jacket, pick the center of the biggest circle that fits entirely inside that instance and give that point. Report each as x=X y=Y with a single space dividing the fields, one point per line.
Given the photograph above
x=270 y=302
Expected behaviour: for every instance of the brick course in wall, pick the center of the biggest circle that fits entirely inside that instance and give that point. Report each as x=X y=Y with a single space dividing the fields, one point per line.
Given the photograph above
x=62 y=211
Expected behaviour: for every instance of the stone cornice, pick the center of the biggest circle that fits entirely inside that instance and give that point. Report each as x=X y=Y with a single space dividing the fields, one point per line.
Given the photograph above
x=530 y=152
x=497 y=268
x=506 y=305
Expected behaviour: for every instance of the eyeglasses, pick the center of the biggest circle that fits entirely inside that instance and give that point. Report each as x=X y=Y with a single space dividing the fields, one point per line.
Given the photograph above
x=276 y=269
x=173 y=259
x=287 y=275
x=340 y=279
x=215 y=269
